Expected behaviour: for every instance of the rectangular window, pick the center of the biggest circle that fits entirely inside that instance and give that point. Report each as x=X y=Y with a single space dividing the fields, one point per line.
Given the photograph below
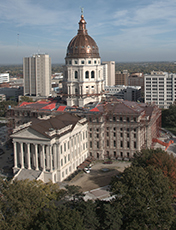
x=65 y=159
x=128 y=144
x=90 y=144
x=121 y=119
x=114 y=134
x=108 y=143
x=97 y=135
x=61 y=149
x=121 y=144
x=107 y=134
x=97 y=144
x=61 y=162
x=68 y=145
x=114 y=143
x=121 y=134
x=114 y=119
x=68 y=157
x=64 y=147
x=128 y=135
x=135 y=144
x=134 y=135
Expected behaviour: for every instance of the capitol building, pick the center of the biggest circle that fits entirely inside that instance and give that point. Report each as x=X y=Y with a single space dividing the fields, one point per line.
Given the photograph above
x=83 y=72
x=55 y=140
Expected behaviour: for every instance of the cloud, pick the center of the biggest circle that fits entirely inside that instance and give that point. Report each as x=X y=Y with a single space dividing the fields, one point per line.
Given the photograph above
x=26 y=13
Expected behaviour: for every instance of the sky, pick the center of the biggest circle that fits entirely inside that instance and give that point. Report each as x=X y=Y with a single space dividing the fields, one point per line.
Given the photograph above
x=124 y=30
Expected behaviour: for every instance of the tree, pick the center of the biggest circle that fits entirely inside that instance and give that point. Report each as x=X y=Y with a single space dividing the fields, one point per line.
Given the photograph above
x=159 y=159
x=26 y=99
x=58 y=218
x=87 y=210
x=21 y=201
x=110 y=216
x=4 y=105
x=145 y=198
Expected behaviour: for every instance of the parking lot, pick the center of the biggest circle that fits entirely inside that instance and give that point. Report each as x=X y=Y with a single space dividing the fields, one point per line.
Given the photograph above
x=99 y=176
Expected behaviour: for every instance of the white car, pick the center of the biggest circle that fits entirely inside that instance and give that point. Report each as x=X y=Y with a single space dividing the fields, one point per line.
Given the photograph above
x=86 y=170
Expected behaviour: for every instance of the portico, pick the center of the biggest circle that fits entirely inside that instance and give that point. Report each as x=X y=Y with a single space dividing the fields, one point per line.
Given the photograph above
x=54 y=152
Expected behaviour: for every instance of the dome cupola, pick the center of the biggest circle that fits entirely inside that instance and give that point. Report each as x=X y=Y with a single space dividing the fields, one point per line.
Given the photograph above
x=82 y=45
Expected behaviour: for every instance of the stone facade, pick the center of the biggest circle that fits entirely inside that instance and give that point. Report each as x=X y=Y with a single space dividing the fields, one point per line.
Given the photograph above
x=53 y=147
x=120 y=128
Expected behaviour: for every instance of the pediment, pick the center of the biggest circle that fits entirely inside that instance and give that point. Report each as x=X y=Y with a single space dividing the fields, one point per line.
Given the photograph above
x=29 y=133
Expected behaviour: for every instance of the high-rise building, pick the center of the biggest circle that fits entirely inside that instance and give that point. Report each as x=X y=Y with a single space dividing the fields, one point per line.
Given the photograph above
x=83 y=73
x=121 y=78
x=160 y=88
x=37 y=75
x=110 y=70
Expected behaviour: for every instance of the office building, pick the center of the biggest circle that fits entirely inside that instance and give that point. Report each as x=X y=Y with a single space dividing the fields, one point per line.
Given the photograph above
x=130 y=93
x=109 y=73
x=37 y=75
x=121 y=78
x=160 y=88
x=117 y=129
x=4 y=77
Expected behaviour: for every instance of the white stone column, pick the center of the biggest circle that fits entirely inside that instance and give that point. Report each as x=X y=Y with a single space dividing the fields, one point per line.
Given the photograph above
x=43 y=156
x=36 y=157
x=15 y=154
x=29 y=155
x=55 y=157
x=22 y=155
x=51 y=158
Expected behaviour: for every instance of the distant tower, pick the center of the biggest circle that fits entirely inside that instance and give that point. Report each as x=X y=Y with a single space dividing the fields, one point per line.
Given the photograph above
x=109 y=72
x=83 y=73
x=37 y=75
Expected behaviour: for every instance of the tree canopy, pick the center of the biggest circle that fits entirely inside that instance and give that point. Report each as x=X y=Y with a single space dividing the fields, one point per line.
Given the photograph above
x=159 y=159
x=145 y=198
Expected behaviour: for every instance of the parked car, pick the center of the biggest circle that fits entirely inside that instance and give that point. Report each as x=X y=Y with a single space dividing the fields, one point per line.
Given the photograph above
x=86 y=170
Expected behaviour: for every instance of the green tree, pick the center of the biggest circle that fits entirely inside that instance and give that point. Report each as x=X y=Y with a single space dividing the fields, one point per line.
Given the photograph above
x=158 y=158
x=87 y=211
x=110 y=216
x=21 y=201
x=58 y=218
x=4 y=105
x=26 y=99
x=169 y=117
x=145 y=198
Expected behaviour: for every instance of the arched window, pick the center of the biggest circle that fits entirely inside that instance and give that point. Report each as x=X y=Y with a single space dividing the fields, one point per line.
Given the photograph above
x=87 y=74
x=92 y=74
x=76 y=74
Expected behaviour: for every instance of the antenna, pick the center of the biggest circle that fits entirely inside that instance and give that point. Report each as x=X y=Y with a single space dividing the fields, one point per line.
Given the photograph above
x=18 y=39
x=82 y=10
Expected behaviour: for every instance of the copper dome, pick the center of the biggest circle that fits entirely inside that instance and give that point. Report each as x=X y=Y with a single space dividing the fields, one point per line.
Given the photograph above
x=82 y=45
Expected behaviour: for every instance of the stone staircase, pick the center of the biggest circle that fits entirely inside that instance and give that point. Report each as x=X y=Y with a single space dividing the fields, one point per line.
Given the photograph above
x=29 y=174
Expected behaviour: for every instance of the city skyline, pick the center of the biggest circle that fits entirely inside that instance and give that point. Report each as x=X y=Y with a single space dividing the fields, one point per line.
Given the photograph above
x=125 y=31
